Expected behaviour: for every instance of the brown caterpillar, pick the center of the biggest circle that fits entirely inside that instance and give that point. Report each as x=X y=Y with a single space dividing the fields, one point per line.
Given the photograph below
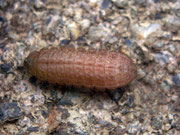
x=79 y=67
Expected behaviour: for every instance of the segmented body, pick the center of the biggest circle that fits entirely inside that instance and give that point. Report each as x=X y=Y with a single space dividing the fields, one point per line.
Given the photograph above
x=79 y=67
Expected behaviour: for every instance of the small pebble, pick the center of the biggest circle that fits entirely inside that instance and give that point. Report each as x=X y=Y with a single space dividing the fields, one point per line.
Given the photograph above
x=140 y=1
x=165 y=86
x=176 y=79
x=33 y=129
x=178 y=126
x=38 y=4
x=172 y=48
x=162 y=58
x=171 y=67
x=156 y=122
x=158 y=16
x=105 y=4
x=133 y=127
x=4 y=4
x=9 y=112
x=85 y=23
x=69 y=98
x=173 y=23
x=158 y=45
x=149 y=80
x=145 y=31
x=4 y=68
x=129 y=42
x=74 y=30
x=65 y=42
x=95 y=33
x=113 y=40
x=120 y=3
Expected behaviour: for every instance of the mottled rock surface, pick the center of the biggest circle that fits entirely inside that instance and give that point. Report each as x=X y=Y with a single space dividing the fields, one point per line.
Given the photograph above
x=148 y=31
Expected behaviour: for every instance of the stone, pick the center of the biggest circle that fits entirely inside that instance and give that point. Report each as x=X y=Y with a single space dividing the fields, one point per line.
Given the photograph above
x=9 y=112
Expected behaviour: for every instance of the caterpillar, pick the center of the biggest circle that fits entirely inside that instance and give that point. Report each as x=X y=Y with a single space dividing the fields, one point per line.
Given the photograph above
x=80 y=67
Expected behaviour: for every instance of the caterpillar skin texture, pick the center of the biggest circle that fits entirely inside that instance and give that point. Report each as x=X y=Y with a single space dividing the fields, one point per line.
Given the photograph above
x=79 y=67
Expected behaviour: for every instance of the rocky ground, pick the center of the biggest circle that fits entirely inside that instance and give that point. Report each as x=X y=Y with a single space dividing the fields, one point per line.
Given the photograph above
x=148 y=31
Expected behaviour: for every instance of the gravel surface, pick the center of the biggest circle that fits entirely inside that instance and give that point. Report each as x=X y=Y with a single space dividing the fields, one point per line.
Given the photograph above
x=148 y=31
